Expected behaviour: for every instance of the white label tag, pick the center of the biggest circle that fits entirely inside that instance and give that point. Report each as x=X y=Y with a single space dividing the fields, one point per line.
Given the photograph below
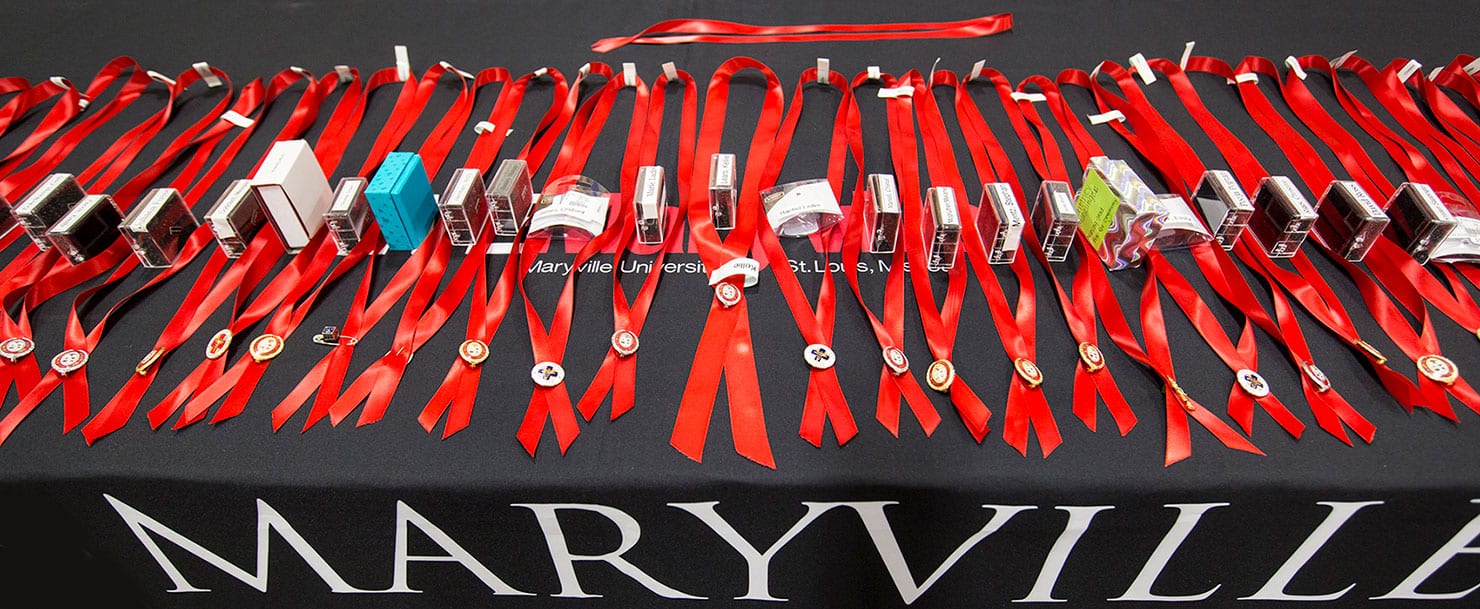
x=874 y=74
x=1341 y=60
x=451 y=68
x=976 y=70
x=346 y=74
x=61 y=82
x=1246 y=77
x=629 y=74
x=1473 y=67
x=161 y=78
x=811 y=198
x=1028 y=97
x=1408 y=70
x=1295 y=67
x=824 y=70
x=403 y=63
x=231 y=116
x=483 y=127
x=204 y=70
x=670 y=70
x=1434 y=73
x=744 y=267
x=1143 y=69
x=900 y=91
x=1100 y=119
x=1186 y=54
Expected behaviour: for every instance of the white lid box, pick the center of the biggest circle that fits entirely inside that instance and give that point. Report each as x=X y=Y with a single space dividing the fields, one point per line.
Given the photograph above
x=294 y=192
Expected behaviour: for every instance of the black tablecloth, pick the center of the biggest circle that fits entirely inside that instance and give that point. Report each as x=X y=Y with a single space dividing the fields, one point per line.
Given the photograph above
x=149 y=518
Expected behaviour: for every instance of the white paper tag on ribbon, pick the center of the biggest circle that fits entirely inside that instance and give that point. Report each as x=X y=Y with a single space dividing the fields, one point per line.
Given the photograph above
x=300 y=71
x=1295 y=67
x=1029 y=97
x=572 y=209
x=1434 y=73
x=204 y=70
x=824 y=70
x=1100 y=119
x=1473 y=67
x=1246 y=77
x=160 y=77
x=451 y=68
x=403 y=63
x=345 y=73
x=900 y=91
x=874 y=73
x=810 y=198
x=540 y=73
x=483 y=127
x=976 y=70
x=1186 y=54
x=1138 y=61
x=744 y=267
x=1341 y=60
x=61 y=82
x=1408 y=70
x=231 y=116
x=670 y=70
x=629 y=74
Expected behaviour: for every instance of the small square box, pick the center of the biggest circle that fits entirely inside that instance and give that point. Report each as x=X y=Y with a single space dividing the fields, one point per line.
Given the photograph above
x=722 y=190
x=87 y=229
x=649 y=204
x=1055 y=220
x=45 y=205
x=1419 y=220
x=236 y=217
x=510 y=194
x=158 y=227
x=464 y=207
x=1350 y=221
x=881 y=213
x=943 y=228
x=1224 y=206
x=348 y=214
x=1282 y=217
x=1001 y=222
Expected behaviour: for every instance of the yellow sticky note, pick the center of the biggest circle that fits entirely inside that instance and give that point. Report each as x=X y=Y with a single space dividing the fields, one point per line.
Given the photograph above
x=1096 y=206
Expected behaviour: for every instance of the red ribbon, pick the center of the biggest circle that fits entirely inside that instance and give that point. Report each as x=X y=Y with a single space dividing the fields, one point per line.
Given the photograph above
x=940 y=323
x=1027 y=408
x=1090 y=381
x=206 y=293
x=618 y=373
x=552 y=402
x=1157 y=354
x=685 y=31
x=888 y=332
x=726 y=337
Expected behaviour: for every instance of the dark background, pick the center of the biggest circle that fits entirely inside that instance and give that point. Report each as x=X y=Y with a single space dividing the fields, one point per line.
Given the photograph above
x=342 y=483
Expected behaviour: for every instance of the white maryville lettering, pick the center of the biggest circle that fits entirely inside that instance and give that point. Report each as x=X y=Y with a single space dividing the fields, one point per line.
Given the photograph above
x=268 y=520
x=877 y=524
x=547 y=515
x=758 y=564
x=1274 y=589
x=1079 y=521
x=1188 y=515
x=1459 y=544
x=454 y=553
